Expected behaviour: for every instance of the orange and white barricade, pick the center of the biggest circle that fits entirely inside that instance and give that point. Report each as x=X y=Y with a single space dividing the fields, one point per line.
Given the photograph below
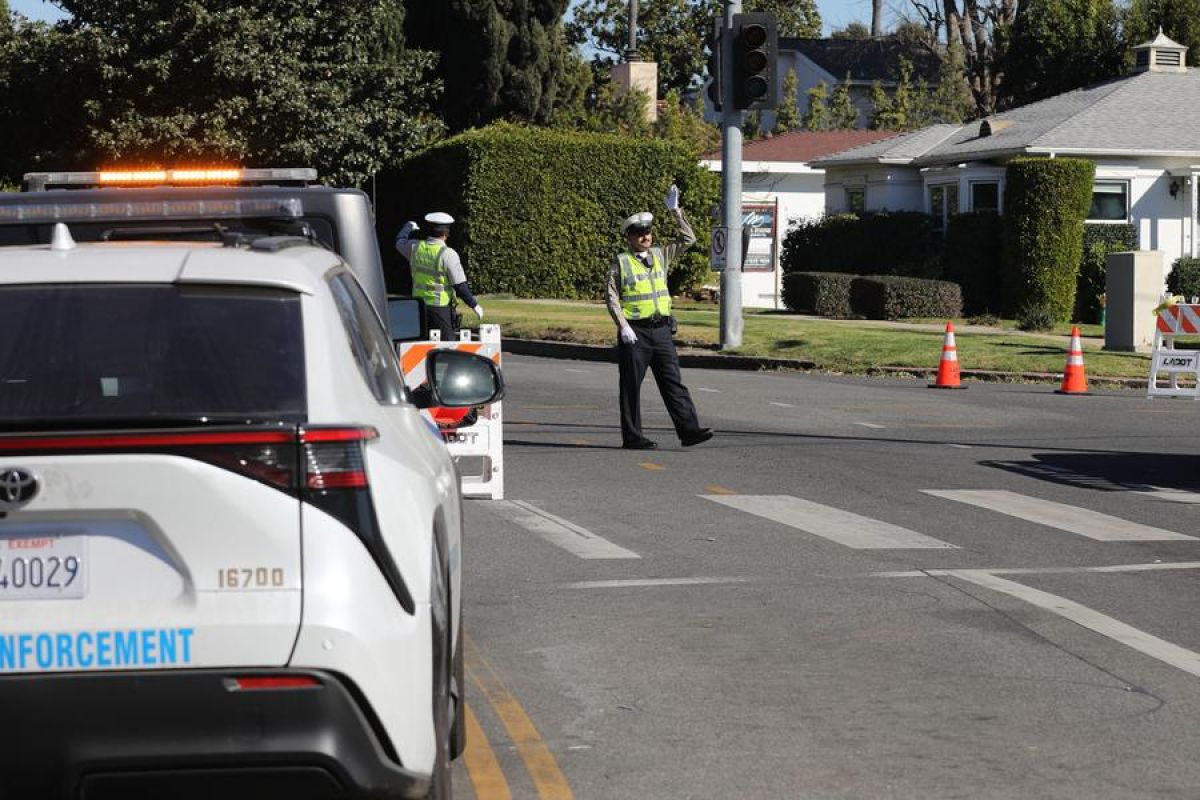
x=478 y=449
x=1168 y=363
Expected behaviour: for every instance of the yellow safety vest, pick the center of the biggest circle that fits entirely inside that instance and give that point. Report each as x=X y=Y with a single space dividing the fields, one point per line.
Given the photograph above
x=429 y=277
x=643 y=291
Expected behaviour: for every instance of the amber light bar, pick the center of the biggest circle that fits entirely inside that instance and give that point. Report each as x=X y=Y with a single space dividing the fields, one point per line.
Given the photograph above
x=191 y=176
x=170 y=176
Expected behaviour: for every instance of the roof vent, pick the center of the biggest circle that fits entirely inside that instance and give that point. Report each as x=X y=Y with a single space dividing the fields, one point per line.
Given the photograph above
x=985 y=129
x=1160 y=55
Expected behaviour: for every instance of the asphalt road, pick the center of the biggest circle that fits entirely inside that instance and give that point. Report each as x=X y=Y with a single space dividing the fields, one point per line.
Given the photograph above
x=860 y=588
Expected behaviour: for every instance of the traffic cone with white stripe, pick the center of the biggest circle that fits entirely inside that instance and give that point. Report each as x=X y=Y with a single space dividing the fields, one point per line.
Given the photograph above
x=947 y=376
x=1074 y=378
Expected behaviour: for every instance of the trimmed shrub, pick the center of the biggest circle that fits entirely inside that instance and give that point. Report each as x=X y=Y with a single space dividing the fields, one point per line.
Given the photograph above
x=1184 y=278
x=1098 y=242
x=1045 y=203
x=891 y=297
x=539 y=211
x=973 y=258
x=1034 y=317
x=883 y=243
x=824 y=293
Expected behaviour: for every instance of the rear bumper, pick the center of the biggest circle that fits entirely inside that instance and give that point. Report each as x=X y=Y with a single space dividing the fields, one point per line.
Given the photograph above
x=183 y=735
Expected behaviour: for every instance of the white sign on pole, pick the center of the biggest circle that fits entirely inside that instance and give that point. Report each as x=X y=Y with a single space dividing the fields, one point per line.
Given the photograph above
x=716 y=254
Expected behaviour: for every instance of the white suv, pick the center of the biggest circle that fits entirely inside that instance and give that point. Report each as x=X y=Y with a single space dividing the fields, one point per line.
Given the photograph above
x=229 y=541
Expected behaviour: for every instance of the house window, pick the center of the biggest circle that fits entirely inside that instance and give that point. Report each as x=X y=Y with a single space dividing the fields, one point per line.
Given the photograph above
x=985 y=196
x=856 y=200
x=1110 y=202
x=943 y=202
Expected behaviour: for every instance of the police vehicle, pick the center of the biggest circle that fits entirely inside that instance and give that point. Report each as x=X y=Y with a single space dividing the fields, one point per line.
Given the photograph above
x=230 y=545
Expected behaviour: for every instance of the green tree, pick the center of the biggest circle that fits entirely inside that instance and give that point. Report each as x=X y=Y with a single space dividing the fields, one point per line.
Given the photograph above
x=881 y=107
x=672 y=33
x=685 y=124
x=752 y=125
x=270 y=82
x=499 y=59
x=1179 y=19
x=851 y=30
x=981 y=29
x=607 y=110
x=817 y=116
x=1059 y=45
x=843 y=114
x=787 y=115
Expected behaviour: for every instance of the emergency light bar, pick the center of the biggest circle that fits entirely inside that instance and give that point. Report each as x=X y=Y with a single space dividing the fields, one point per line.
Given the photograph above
x=35 y=213
x=44 y=181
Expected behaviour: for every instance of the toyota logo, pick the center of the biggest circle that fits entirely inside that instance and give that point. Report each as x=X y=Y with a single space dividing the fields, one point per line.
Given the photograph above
x=17 y=487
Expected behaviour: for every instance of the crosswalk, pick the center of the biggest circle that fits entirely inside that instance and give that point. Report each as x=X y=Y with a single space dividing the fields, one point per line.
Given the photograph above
x=850 y=529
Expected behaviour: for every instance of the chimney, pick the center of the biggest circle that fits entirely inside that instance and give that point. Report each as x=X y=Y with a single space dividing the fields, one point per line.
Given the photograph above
x=1160 y=55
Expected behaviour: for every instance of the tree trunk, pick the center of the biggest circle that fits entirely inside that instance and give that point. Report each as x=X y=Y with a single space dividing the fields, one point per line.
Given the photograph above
x=876 y=18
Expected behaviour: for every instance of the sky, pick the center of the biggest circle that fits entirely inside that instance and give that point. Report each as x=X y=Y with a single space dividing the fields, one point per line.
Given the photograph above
x=834 y=13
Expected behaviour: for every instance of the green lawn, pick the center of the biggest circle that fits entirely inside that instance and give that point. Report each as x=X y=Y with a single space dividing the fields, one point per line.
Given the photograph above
x=849 y=346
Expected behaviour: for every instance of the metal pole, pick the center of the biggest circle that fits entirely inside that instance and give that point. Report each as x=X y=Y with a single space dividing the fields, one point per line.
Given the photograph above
x=631 y=55
x=731 y=190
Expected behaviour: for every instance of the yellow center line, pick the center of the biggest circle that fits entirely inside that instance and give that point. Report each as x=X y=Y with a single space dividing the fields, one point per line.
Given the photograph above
x=482 y=765
x=581 y=442
x=539 y=761
x=714 y=489
x=651 y=466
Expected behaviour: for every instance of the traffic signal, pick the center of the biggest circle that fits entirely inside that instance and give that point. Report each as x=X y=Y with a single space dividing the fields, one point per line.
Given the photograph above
x=755 y=61
x=714 y=72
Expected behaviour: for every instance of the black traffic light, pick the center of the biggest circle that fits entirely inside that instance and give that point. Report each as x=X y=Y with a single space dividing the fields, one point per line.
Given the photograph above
x=755 y=61
x=714 y=72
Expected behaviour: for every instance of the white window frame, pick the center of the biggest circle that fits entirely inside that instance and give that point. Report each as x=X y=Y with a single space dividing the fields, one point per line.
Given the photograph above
x=1126 y=191
x=999 y=209
x=946 y=211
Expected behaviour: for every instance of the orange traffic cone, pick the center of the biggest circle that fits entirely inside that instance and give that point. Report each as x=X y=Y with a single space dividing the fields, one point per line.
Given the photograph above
x=947 y=377
x=1074 y=379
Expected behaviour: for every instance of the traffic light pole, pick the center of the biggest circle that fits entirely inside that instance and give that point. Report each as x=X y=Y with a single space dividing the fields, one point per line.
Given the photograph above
x=731 y=189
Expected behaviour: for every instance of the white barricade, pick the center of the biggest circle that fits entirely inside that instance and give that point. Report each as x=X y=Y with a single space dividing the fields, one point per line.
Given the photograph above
x=478 y=449
x=1168 y=363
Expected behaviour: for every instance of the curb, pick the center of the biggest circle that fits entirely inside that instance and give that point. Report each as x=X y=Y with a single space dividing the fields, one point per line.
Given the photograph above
x=701 y=360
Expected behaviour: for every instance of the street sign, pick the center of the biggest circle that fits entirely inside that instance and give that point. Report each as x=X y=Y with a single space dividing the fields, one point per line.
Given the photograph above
x=716 y=254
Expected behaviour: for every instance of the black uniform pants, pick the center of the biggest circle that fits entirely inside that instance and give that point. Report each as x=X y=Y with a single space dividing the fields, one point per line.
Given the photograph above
x=441 y=318
x=655 y=349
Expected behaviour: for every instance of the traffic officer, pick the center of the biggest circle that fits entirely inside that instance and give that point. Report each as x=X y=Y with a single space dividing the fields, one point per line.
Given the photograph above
x=640 y=305
x=436 y=268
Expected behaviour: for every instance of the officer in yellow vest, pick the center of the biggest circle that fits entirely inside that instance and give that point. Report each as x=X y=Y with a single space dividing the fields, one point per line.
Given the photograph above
x=436 y=268
x=640 y=305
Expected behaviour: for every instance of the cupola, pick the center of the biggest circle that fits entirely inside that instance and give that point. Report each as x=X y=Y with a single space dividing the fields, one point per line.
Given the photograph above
x=1160 y=55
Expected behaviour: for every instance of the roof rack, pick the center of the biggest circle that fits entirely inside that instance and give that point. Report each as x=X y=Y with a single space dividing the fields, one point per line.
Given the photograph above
x=45 y=181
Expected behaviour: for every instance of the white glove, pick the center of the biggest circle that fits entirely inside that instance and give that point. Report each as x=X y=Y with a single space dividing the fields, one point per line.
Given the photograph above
x=627 y=335
x=672 y=200
x=478 y=309
x=402 y=236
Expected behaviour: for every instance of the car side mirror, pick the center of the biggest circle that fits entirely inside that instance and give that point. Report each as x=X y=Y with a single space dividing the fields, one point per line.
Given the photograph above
x=406 y=319
x=458 y=379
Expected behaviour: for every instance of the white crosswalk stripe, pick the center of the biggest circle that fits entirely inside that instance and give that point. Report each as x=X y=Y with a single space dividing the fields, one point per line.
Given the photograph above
x=834 y=524
x=557 y=531
x=1080 y=521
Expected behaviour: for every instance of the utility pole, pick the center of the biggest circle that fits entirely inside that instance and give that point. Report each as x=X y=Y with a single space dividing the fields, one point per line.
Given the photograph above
x=731 y=187
x=633 y=15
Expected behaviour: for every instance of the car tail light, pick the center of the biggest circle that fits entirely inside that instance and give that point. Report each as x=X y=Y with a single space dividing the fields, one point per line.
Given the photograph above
x=261 y=683
x=333 y=457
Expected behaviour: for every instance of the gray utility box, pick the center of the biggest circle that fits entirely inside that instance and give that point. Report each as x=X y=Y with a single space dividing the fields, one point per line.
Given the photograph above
x=1133 y=287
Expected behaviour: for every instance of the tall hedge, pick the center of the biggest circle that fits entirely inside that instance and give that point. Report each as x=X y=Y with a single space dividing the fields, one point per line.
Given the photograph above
x=540 y=210
x=877 y=243
x=973 y=259
x=1046 y=201
x=1098 y=241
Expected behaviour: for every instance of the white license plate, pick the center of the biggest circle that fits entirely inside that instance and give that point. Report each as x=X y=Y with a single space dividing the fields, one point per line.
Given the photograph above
x=47 y=567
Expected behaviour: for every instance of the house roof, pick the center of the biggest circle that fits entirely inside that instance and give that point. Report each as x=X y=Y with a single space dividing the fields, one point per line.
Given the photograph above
x=804 y=146
x=1149 y=113
x=865 y=60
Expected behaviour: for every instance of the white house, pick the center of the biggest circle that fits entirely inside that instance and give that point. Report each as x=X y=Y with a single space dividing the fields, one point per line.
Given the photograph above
x=779 y=186
x=1141 y=130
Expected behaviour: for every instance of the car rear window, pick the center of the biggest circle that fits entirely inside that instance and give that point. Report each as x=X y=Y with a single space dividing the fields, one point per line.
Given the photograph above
x=149 y=355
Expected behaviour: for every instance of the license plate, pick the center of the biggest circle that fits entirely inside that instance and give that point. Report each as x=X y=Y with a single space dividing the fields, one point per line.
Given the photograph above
x=48 y=567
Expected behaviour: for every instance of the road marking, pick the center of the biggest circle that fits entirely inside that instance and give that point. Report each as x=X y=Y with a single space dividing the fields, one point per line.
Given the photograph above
x=782 y=405
x=715 y=489
x=640 y=582
x=1093 y=620
x=581 y=442
x=918 y=573
x=551 y=784
x=869 y=425
x=706 y=389
x=1081 y=521
x=843 y=527
x=1170 y=495
x=959 y=446
x=650 y=465
x=581 y=371
x=482 y=766
x=558 y=531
